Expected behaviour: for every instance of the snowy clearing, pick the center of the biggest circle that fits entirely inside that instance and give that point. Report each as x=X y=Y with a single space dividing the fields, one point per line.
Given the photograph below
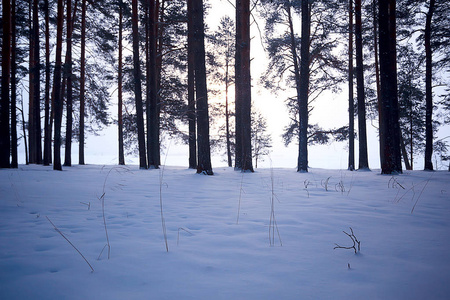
x=404 y=254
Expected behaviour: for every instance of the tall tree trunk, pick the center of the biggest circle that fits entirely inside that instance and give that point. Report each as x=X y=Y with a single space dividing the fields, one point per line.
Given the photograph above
x=119 y=88
x=47 y=115
x=362 y=132
x=351 y=107
x=191 y=114
x=138 y=87
x=153 y=146
x=5 y=144
x=14 y=155
x=302 y=165
x=293 y=46
x=375 y=51
x=243 y=153
x=428 y=90
x=31 y=68
x=390 y=156
x=201 y=92
x=36 y=87
x=68 y=76
x=34 y=123
x=58 y=106
x=227 y=114
x=81 y=160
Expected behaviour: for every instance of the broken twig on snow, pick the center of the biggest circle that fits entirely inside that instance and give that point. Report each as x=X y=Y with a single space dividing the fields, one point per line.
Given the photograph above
x=354 y=240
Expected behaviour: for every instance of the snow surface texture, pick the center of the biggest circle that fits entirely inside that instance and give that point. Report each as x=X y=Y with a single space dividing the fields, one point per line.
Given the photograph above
x=403 y=255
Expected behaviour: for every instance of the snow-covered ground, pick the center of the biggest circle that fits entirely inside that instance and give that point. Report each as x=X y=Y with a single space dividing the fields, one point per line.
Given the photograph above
x=404 y=254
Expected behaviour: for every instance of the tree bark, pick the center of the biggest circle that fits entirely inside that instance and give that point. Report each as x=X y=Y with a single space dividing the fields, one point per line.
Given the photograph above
x=302 y=165
x=119 y=87
x=14 y=155
x=81 y=159
x=227 y=114
x=47 y=115
x=138 y=87
x=31 y=67
x=351 y=108
x=362 y=131
x=57 y=89
x=428 y=90
x=243 y=153
x=5 y=144
x=35 y=107
x=390 y=156
x=153 y=145
x=68 y=77
x=191 y=114
x=201 y=92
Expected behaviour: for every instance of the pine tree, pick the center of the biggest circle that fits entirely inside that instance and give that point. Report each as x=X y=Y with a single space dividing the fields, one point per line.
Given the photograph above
x=153 y=146
x=243 y=155
x=389 y=115
x=5 y=145
x=120 y=86
x=58 y=105
x=14 y=144
x=302 y=165
x=47 y=101
x=195 y=8
x=351 y=108
x=138 y=87
x=69 y=91
x=362 y=132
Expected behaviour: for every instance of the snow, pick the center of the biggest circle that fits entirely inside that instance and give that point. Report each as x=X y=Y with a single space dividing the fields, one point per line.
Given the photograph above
x=404 y=254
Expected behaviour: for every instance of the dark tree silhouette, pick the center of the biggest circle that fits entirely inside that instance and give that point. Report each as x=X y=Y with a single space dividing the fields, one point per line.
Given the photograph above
x=138 y=87
x=302 y=165
x=5 y=145
x=195 y=9
x=243 y=154
x=362 y=132
x=389 y=115
x=58 y=105
x=351 y=107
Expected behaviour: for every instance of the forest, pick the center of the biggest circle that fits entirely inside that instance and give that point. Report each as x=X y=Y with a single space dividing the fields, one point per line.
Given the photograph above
x=66 y=65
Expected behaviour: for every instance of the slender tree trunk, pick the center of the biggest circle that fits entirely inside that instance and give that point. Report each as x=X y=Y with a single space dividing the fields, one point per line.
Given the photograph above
x=390 y=156
x=68 y=76
x=5 y=144
x=36 y=83
x=31 y=73
x=191 y=114
x=304 y=86
x=351 y=107
x=14 y=156
x=405 y=154
x=428 y=90
x=204 y=151
x=243 y=153
x=227 y=114
x=57 y=89
x=153 y=151
x=362 y=132
x=119 y=88
x=375 y=50
x=81 y=159
x=138 y=87
x=47 y=116
x=24 y=132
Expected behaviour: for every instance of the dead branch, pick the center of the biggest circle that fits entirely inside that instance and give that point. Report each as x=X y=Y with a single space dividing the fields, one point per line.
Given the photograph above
x=354 y=240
